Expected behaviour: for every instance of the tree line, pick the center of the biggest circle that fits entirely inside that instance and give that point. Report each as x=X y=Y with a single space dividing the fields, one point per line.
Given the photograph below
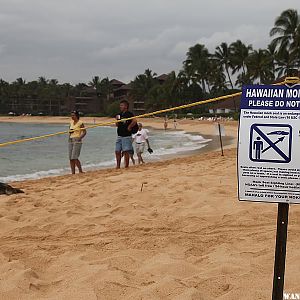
x=203 y=74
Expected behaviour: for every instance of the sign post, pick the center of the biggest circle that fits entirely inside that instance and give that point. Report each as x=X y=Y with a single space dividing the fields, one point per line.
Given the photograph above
x=268 y=158
x=220 y=136
x=280 y=251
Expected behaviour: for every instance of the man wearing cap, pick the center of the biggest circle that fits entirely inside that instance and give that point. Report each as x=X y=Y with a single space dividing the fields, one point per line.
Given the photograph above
x=141 y=138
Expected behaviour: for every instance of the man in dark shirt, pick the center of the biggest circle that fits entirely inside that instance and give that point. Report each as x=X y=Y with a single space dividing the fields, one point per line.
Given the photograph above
x=124 y=130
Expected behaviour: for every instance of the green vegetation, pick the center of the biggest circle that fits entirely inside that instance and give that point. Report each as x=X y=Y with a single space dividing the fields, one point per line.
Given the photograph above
x=113 y=109
x=203 y=74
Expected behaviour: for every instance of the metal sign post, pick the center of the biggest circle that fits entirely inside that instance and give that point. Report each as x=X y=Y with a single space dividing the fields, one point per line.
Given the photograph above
x=220 y=135
x=268 y=158
x=280 y=250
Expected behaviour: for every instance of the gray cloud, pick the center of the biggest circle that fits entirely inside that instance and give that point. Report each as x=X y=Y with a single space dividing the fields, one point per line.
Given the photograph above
x=74 y=40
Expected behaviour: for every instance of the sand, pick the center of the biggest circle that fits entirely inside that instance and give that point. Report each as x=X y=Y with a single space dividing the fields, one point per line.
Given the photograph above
x=184 y=236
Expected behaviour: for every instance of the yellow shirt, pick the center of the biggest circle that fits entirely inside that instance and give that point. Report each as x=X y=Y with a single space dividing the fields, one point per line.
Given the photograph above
x=77 y=129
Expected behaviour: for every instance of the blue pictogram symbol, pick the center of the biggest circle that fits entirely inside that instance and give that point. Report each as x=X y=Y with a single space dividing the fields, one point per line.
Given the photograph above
x=270 y=143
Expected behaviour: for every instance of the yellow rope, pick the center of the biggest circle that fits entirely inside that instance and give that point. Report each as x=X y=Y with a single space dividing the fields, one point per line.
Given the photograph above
x=288 y=80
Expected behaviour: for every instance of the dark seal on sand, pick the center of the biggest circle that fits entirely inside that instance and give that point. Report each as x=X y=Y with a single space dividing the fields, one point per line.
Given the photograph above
x=6 y=189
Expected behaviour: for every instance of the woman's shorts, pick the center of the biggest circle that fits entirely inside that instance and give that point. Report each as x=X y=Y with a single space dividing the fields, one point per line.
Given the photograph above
x=74 y=148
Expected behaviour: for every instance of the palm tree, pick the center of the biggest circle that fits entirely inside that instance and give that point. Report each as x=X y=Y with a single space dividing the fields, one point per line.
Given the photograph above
x=287 y=38
x=66 y=89
x=95 y=82
x=20 y=81
x=17 y=89
x=188 y=90
x=54 y=94
x=4 y=95
x=239 y=54
x=243 y=79
x=105 y=90
x=285 y=60
x=149 y=74
x=197 y=64
x=166 y=94
x=142 y=87
x=286 y=30
x=217 y=80
x=223 y=57
x=53 y=82
x=272 y=53
x=260 y=66
x=171 y=89
x=3 y=86
x=142 y=84
x=156 y=98
x=106 y=87
x=42 y=81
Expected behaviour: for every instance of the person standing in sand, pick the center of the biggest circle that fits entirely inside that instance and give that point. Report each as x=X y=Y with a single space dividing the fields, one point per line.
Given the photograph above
x=131 y=156
x=140 y=139
x=125 y=130
x=77 y=133
x=166 y=123
x=175 y=124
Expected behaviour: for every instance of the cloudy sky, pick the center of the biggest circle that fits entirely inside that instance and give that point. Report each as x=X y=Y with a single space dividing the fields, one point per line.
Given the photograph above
x=73 y=40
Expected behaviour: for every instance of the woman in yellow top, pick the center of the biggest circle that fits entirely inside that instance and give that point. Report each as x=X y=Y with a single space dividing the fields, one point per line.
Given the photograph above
x=77 y=133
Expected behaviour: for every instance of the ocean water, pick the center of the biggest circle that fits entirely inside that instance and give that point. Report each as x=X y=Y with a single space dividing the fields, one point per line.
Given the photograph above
x=49 y=157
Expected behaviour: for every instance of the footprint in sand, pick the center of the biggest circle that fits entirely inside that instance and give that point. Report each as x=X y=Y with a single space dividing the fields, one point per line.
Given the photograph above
x=70 y=213
x=14 y=218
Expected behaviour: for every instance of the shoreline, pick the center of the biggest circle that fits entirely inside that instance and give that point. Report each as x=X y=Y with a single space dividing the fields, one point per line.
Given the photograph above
x=212 y=146
x=154 y=124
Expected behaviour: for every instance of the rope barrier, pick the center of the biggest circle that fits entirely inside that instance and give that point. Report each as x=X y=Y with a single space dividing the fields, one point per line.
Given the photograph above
x=288 y=80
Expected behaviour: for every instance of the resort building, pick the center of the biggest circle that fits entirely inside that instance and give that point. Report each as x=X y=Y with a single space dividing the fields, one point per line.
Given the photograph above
x=88 y=102
x=28 y=104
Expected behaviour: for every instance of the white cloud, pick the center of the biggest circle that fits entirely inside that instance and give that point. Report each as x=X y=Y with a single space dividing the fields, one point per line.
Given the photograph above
x=73 y=40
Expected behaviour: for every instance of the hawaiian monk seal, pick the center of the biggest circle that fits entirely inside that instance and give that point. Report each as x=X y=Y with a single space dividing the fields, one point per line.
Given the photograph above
x=6 y=189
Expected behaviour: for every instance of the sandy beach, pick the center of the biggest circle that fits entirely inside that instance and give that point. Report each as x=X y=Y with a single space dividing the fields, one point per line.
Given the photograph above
x=166 y=230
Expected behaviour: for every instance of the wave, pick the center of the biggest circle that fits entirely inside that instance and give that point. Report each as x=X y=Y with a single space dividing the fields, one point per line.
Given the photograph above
x=32 y=176
x=163 y=151
x=190 y=142
x=53 y=172
x=196 y=142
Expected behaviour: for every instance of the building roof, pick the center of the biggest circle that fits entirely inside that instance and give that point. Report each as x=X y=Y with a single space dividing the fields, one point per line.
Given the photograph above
x=281 y=79
x=162 y=77
x=116 y=82
x=125 y=87
x=231 y=103
x=88 y=88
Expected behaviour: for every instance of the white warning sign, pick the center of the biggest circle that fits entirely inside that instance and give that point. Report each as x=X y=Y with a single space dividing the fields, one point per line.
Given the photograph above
x=269 y=144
